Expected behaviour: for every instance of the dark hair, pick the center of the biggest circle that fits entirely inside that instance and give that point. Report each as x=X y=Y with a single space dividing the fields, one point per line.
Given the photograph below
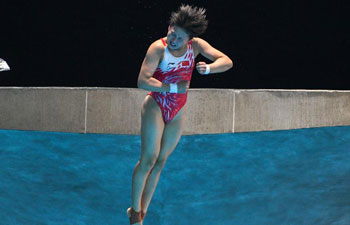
x=191 y=19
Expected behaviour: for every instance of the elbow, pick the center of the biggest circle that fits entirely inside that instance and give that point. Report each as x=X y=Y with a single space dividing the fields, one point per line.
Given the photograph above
x=139 y=84
x=230 y=64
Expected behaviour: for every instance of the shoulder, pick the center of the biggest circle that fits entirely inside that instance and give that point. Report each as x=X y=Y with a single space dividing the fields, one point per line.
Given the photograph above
x=199 y=43
x=156 y=48
x=195 y=42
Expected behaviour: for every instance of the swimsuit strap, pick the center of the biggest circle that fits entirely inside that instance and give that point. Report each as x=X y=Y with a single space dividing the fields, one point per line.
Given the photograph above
x=163 y=41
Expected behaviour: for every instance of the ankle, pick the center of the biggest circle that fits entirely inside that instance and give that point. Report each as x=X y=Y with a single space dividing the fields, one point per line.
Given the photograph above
x=136 y=210
x=143 y=214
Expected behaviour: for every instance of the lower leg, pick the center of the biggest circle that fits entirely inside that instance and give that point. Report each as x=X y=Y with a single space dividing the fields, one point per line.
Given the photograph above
x=150 y=187
x=138 y=182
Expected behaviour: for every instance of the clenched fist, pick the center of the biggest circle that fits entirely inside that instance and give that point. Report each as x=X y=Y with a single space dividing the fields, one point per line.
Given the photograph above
x=202 y=68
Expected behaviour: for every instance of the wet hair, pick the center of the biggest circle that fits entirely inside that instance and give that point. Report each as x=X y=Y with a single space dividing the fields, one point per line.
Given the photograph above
x=191 y=19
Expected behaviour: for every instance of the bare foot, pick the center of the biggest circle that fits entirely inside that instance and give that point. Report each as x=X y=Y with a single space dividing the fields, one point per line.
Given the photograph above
x=134 y=217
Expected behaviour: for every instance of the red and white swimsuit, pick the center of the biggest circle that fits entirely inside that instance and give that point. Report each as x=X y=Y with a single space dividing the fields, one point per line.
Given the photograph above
x=173 y=70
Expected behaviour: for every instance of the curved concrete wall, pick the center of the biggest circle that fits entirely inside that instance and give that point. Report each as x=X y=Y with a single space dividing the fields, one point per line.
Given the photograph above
x=118 y=110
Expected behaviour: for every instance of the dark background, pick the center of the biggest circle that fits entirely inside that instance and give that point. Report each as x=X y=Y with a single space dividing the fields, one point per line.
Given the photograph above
x=285 y=44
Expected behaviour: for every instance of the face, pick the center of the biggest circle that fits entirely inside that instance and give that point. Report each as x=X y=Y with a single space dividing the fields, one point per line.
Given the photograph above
x=177 y=38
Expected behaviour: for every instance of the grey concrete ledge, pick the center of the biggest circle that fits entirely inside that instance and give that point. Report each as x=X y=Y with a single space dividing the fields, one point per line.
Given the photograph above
x=118 y=110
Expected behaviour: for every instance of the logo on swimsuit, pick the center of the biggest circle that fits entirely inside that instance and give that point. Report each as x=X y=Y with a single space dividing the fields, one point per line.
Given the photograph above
x=171 y=66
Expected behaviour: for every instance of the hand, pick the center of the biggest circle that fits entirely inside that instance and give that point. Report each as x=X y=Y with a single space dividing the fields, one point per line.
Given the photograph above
x=182 y=86
x=201 y=67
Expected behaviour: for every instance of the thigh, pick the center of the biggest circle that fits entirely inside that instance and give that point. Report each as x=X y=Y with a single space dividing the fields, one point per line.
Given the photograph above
x=172 y=134
x=152 y=126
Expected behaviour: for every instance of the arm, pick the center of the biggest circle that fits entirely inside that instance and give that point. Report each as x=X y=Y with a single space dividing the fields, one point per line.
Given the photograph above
x=221 y=62
x=149 y=66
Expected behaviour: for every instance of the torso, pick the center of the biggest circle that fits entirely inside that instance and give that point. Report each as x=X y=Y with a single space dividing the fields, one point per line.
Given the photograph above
x=174 y=66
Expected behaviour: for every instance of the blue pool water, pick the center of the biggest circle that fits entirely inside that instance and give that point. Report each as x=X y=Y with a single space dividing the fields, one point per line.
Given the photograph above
x=289 y=177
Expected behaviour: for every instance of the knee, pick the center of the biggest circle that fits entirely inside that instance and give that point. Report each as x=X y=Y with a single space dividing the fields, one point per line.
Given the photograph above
x=148 y=164
x=160 y=163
